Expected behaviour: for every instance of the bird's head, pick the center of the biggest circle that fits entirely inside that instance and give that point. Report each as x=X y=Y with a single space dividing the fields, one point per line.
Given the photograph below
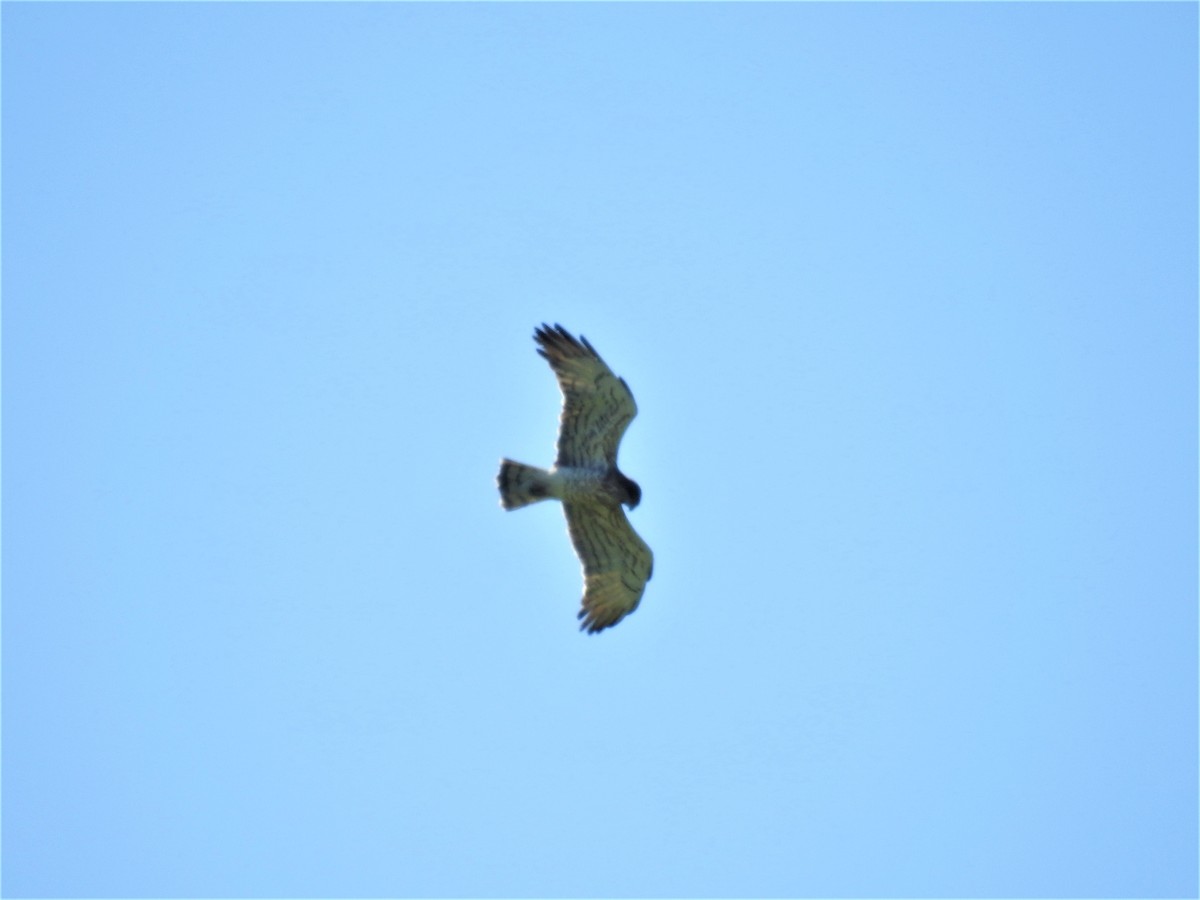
x=629 y=488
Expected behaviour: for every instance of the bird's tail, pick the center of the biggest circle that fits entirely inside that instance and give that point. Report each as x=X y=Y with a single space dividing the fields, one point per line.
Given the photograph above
x=521 y=485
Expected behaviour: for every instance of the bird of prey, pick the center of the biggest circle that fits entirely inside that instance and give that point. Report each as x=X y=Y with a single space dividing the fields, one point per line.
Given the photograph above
x=597 y=408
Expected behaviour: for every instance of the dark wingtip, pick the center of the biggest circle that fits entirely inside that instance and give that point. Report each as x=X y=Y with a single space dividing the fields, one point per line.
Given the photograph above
x=547 y=335
x=558 y=338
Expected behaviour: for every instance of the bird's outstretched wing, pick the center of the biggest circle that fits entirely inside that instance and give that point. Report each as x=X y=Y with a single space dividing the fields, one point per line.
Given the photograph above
x=616 y=562
x=597 y=405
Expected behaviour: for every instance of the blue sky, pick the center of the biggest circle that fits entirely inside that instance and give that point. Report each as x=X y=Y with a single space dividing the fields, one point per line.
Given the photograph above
x=907 y=298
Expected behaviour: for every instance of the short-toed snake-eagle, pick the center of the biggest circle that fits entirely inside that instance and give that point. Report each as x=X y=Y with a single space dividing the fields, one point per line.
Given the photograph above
x=597 y=408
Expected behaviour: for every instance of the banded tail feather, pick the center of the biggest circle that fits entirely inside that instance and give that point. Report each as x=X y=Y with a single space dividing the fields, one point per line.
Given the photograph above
x=521 y=485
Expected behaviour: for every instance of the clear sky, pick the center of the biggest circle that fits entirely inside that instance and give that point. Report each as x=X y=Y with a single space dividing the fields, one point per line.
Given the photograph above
x=907 y=298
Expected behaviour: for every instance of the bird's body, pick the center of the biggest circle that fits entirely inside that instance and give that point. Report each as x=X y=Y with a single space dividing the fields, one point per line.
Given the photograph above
x=521 y=485
x=597 y=408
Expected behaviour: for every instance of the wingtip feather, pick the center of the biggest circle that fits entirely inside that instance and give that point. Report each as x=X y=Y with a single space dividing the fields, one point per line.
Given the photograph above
x=556 y=338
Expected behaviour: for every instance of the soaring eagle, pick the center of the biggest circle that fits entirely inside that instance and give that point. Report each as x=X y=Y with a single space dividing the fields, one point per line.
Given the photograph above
x=597 y=408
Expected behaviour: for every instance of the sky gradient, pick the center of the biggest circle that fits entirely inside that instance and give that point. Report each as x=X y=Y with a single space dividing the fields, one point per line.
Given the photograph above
x=907 y=298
